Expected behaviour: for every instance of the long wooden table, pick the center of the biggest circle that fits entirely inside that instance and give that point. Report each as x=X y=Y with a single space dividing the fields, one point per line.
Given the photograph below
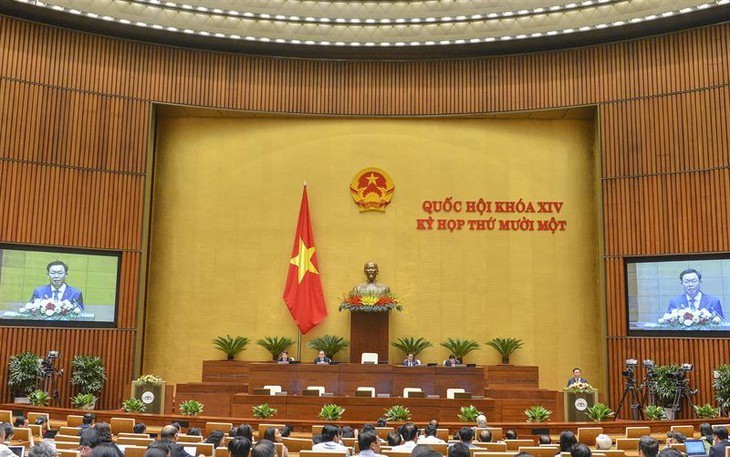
x=344 y=379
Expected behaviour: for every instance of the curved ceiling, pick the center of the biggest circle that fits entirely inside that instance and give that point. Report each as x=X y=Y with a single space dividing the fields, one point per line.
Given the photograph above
x=362 y=29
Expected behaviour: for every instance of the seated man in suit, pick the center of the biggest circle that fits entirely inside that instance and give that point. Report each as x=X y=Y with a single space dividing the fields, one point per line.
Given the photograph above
x=411 y=361
x=577 y=377
x=322 y=359
x=58 y=290
x=720 y=442
x=284 y=357
x=452 y=361
x=693 y=297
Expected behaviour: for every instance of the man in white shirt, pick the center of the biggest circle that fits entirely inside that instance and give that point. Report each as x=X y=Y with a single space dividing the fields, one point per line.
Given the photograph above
x=369 y=444
x=4 y=450
x=430 y=436
x=409 y=433
x=331 y=440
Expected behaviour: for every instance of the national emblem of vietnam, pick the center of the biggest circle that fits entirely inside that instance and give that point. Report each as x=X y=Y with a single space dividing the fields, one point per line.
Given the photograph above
x=372 y=189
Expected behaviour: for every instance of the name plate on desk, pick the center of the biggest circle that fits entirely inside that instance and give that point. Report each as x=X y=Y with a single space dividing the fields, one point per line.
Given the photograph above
x=363 y=393
x=462 y=394
x=311 y=392
x=261 y=392
x=417 y=395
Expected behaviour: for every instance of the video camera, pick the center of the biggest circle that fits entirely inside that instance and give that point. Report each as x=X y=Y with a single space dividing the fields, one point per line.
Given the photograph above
x=47 y=364
x=681 y=374
x=630 y=365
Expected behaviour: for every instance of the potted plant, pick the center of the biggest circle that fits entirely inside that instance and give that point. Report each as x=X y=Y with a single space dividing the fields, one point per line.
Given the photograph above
x=468 y=413
x=133 y=405
x=39 y=398
x=665 y=387
x=88 y=374
x=409 y=345
x=191 y=408
x=330 y=344
x=264 y=411
x=538 y=413
x=505 y=347
x=397 y=413
x=230 y=346
x=654 y=413
x=275 y=345
x=84 y=401
x=331 y=412
x=721 y=384
x=23 y=372
x=706 y=411
x=459 y=347
x=599 y=412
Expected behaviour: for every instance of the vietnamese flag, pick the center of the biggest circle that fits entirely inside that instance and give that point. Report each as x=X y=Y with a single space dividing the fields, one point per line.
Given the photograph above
x=303 y=291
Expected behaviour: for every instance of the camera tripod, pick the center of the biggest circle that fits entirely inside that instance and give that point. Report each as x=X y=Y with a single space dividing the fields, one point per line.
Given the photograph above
x=631 y=390
x=48 y=380
x=683 y=391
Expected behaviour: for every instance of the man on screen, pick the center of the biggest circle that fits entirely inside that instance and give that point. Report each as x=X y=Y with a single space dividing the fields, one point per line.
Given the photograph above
x=58 y=290
x=693 y=297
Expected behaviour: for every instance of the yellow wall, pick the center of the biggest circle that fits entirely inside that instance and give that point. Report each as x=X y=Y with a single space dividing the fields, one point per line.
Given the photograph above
x=225 y=205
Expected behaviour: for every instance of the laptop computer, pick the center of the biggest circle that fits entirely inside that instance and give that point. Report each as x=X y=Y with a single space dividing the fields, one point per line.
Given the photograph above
x=19 y=451
x=694 y=447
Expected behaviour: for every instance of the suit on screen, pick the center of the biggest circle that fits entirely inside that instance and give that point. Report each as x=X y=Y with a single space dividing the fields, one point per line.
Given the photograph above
x=71 y=294
x=708 y=302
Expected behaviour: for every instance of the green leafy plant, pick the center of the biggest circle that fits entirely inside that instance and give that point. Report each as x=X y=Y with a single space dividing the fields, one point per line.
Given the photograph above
x=599 y=412
x=468 y=413
x=23 y=372
x=410 y=344
x=654 y=413
x=88 y=374
x=133 y=405
x=721 y=384
x=264 y=411
x=83 y=401
x=459 y=347
x=505 y=347
x=706 y=411
x=191 y=408
x=230 y=346
x=275 y=345
x=39 y=398
x=397 y=413
x=331 y=412
x=148 y=380
x=665 y=386
x=538 y=413
x=330 y=344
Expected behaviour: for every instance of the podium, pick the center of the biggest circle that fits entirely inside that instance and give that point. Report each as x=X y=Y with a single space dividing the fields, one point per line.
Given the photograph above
x=575 y=404
x=369 y=332
x=152 y=395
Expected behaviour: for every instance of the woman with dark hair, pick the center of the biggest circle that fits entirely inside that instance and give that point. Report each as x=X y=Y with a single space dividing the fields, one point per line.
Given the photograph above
x=103 y=451
x=195 y=431
x=215 y=438
x=707 y=438
x=105 y=438
x=274 y=435
x=567 y=441
x=245 y=431
x=89 y=440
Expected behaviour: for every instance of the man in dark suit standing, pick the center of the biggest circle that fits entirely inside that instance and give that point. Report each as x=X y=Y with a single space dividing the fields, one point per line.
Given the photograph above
x=322 y=359
x=58 y=290
x=577 y=377
x=720 y=442
x=693 y=298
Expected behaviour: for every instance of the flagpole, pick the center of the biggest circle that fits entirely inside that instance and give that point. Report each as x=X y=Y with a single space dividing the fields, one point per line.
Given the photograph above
x=299 y=345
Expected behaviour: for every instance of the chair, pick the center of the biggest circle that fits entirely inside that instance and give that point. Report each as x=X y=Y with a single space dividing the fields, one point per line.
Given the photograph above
x=134 y=451
x=492 y=447
x=224 y=427
x=442 y=434
x=67 y=438
x=679 y=446
x=6 y=416
x=279 y=449
x=451 y=393
x=24 y=434
x=36 y=430
x=637 y=432
x=221 y=452
x=409 y=390
x=273 y=390
x=122 y=424
x=370 y=390
x=32 y=417
x=310 y=453
x=67 y=452
x=392 y=453
x=441 y=448
x=492 y=454
x=134 y=435
x=203 y=449
x=127 y=441
x=496 y=433
x=539 y=451
x=189 y=439
x=66 y=445
x=369 y=357
x=319 y=389
x=297 y=444
x=613 y=452
x=587 y=435
x=513 y=445
x=68 y=430
x=383 y=432
x=628 y=444
x=72 y=420
x=687 y=430
x=317 y=429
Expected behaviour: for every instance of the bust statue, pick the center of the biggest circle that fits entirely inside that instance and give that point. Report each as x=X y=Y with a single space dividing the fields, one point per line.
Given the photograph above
x=371 y=287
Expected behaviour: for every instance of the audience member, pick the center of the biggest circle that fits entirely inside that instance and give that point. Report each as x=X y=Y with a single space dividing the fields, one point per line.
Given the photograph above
x=264 y=448
x=485 y=436
x=9 y=431
x=381 y=422
x=348 y=432
x=510 y=435
x=330 y=440
x=87 y=421
x=409 y=433
x=45 y=431
x=168 y=434
x=466 y=436
x=430 y=436
x=194 y=431
x=285 y=431
x=452 y=361
x=105 y=438
x=369 y=444
x=424 y=450
x=20 y=422
x=720 y=442
x=481 y=421
x=669 y=452
x=580 y=450
x=4 y=450
x=394 y=439
x=140 y=428
x=567 y=441
x=177 y=426
x=649 y=447
x=215 y=438
x=706 y=432
x=434 y=422
x=157 y=449
x=273 y=434
x=674 y=438
x=239 y=447
x=42 y=449
x=458 y=450
x=544 y=440
x=603 y=442
x=245 y=431
x=103 y=451
x=89 y=440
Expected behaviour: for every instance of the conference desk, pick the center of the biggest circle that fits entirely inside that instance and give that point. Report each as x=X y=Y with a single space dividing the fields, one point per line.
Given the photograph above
x=344 y=379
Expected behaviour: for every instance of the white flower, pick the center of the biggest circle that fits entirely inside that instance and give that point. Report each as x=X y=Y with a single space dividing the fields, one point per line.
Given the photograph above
x=695 y=319
x=716 y=319
x=49 y=312
x=688 y=322
x=77 y=311
x=661 y=320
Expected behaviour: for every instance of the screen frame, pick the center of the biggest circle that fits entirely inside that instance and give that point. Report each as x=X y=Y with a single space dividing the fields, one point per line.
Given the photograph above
x=68 y=250
x=669 y=333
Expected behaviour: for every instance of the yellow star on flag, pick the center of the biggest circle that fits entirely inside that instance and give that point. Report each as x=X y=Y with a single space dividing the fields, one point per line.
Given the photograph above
x=303 y=260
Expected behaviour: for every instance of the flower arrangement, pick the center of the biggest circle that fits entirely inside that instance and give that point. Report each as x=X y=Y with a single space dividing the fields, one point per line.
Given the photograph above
x=46 y=308
x=371 y=303
x=148 y=379
x=689 y=319
x=580 y=387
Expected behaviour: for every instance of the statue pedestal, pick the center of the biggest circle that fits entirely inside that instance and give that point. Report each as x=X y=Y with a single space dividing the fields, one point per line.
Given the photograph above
x=369 y=332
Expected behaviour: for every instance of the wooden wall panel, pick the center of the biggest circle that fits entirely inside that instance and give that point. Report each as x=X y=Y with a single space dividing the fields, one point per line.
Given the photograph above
x=74 y=113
